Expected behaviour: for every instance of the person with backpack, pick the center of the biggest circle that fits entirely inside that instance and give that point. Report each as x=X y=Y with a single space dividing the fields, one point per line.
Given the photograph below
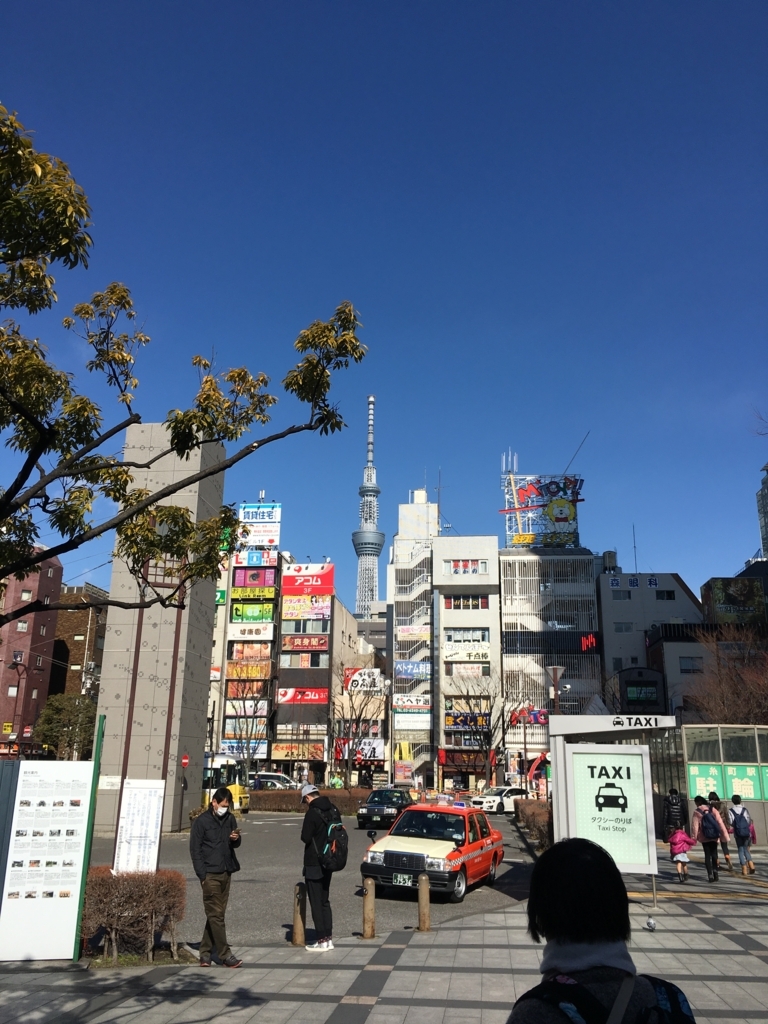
x=709 y=830
x=588 y=972
x=741 y=823
x=326 y=844
x=675 y=815
x=716 y=805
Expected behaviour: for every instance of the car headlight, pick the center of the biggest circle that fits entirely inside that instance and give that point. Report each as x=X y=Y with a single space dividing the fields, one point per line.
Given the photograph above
x=390 y=810
x=435 y=864
x=374 y=857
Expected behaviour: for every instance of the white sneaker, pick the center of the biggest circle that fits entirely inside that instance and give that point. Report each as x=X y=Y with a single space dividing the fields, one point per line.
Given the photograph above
x=328 y=944
x=317 y=947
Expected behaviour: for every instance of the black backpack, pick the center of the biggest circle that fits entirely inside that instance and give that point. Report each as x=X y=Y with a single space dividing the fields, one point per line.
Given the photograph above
x=333 y=856
x=709 y=826
x=741 y=824
x=577 y=1004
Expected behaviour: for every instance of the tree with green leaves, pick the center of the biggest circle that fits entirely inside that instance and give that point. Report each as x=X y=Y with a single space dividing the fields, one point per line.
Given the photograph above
x=66 y=724
x=64 y=473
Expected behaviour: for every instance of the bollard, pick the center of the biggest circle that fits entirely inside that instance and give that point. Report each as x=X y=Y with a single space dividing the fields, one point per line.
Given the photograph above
x=423 y=903
x=369 y=909
x=299 y=914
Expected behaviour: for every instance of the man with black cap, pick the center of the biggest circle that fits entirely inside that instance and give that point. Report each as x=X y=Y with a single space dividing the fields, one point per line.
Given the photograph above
x=320 y=813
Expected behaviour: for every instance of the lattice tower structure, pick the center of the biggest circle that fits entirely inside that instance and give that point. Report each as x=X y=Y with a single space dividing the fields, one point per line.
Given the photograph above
x=368 y=540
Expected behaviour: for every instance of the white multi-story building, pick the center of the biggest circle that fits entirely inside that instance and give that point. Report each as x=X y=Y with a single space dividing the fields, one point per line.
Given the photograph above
x=469 y=713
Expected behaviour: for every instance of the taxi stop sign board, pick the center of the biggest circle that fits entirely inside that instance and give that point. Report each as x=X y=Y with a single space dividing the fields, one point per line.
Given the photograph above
x=609 y=800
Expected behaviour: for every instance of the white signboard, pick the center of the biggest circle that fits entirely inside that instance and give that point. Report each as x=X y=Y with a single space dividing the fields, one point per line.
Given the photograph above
x=363 y=680
x=138 y=831
x=236 y=748
x=41 y=889
x=255 y=631
x=410 y=720
x=567 y=725
x=477 y=651
x=264 y=512
x=411 y=701
x=609 y=800
x=259 y=534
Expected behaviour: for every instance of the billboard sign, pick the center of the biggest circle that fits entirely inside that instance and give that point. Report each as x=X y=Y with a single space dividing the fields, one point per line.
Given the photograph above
x=221 y=595
x=305 y=642
x=542 y=510
x=410 y=720
x=302 y=696
x=403 y=771
x=248 y=670
x=467 y=720
x=475 y=651
x=406 y=702
x=307 y=606
x=246 y=708
x=245 y=728
x=253 y=578
x=421 y=632
x=308 y=579
x=254 y=556
x=237 y=748
x=367 y=749
x=252 y=611
x=264 y=512
x=413 y=669
x=245 y=689
x=249 y=652
x=251 y=631
x=363 y=680
x=302 y=750
x=737 y=600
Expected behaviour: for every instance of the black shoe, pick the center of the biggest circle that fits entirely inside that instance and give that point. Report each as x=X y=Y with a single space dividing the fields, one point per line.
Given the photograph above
x=717 y=877
x=685 y=877
x=680 y=878
x=205 y=961
x=710 y=878
x=232 y=961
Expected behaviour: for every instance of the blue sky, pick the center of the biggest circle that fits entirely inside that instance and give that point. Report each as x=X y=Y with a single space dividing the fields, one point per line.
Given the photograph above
x=551 y=216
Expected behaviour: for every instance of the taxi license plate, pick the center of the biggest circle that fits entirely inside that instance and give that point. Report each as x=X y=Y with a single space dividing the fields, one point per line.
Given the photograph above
x=401 y=879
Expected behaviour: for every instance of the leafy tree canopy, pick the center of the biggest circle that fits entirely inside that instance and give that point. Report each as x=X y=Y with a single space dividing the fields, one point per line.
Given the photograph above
x=60 y=436
x=66 y=723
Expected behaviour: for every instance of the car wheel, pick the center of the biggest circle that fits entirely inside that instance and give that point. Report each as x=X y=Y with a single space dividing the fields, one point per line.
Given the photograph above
x=500 y=808
x=492 y=873
x=460 y=888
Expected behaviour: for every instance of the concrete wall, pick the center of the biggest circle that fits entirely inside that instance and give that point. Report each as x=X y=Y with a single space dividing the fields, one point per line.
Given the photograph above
x=156 y=668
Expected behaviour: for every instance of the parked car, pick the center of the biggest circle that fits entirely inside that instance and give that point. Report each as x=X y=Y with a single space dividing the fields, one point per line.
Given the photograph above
x=275 y=780
x=453 y=844
x=498 y=799
x=382 y=807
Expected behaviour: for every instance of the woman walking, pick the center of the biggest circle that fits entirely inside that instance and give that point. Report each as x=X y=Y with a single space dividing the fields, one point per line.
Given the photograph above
x=741 y=823
x=709 y=830
x=716 y=805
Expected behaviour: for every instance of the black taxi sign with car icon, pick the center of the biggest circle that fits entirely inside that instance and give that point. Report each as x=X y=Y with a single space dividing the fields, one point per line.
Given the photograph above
x=610 y=795
x=453 y=844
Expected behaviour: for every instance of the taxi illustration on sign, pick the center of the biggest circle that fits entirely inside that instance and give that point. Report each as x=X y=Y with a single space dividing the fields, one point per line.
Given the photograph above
x=611 y=795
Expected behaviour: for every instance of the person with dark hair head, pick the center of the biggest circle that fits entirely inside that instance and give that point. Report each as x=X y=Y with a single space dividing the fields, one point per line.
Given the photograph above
x=709 y=830
x=212 y=842
x=743 y=831
x=675 y=812
x=578 y=902
x=716 y=805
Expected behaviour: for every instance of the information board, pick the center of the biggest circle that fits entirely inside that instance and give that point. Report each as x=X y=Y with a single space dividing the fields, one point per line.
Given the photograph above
x=138 y=831
x=610 y=801
x=44 y=874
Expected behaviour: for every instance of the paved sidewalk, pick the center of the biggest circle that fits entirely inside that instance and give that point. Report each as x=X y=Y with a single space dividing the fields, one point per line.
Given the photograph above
x=714 y=946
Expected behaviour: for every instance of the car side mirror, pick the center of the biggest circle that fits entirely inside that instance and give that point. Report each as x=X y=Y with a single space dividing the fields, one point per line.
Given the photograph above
x=372 y=834
x=458 y=840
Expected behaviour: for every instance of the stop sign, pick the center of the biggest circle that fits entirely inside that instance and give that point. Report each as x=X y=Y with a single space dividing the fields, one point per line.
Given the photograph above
x=184 y=760
x=359 y=757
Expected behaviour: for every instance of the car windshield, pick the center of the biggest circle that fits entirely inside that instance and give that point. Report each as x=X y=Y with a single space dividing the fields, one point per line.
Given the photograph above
x=385 y=796
x=430 y=825
x=495 y=791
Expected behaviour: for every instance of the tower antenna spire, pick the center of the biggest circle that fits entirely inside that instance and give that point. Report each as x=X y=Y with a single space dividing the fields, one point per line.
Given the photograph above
x=368 y=540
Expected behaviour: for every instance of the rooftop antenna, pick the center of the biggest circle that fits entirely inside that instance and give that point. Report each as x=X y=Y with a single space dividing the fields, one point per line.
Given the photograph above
x=634 y=545
x=576 y=452
x=262 y=495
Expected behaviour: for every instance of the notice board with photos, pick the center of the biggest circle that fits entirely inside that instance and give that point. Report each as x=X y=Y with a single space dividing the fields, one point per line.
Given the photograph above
x=609 y=799
x=44 y=872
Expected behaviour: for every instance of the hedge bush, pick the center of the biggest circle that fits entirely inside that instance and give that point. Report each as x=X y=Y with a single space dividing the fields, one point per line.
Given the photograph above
x=131 y=909
x=536 y=817
x=347 y=800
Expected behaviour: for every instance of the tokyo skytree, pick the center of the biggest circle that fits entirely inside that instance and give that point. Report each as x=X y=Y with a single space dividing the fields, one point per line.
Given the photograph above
x=367 y=539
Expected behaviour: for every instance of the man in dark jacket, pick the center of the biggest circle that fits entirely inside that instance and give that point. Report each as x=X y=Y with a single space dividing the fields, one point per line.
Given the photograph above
x=675 y=815
x=314 y=832
x=212 y=843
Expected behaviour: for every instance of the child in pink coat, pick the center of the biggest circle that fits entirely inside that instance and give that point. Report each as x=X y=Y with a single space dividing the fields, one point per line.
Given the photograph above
x=679 y=845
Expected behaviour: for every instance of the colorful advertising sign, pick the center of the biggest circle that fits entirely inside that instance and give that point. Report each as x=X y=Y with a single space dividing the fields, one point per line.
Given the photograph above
x=263 y=512
x=739 y=600
x=254 y=631
x=248 y=669
x=253 y=578
x=302 y=696
x=470 y=720
x=474 y=670
x=237 y=748
x=541 y=510
x=254 y=556
x=363 y=680
x=247 y=708
x=743 y=779
x=305 y=642
x=477 y=651
x=242 y=689
x=465 y=567
x=704 y=779
x=308 y=579
x=413 y=669
x=411 y=701
x=221 y=595
x=422 y=632
x=245 y=728
x=358 y=750
x=403 y=771
x=252 y=611
x=249 y=652
x=259 y=534
x=307 y=606
x=299 y=751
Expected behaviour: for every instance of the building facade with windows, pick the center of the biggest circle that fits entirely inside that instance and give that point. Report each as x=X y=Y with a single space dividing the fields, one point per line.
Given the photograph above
x=78 y=648
x=469 y=710
x=27 y=653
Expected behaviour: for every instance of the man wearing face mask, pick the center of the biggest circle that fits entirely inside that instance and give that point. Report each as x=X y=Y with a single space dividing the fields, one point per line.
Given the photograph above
x=212 y=842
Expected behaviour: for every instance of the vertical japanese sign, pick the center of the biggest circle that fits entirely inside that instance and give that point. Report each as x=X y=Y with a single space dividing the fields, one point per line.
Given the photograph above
x=703 y=779
x=138 y=831
x=44 y=873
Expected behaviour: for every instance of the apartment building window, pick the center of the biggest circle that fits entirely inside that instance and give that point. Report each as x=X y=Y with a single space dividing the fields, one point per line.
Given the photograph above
x=469 y=669
x=22 y=626
x=79 y=636
x=310 y=660
x=75 y=668
x=621 y=595
x=623 y=627
x=42 y=631
x=46 y=599
x=467 y=636
x=26 y=595
x=39 y=661
x=13 y=691
x=691 y=666
x=467 y=602
x=665 y=595
x=305 y=626
x=633 y=661
x=641 y=695
x=465 y=567
x=617 y=664
x=34 y=695
x=50 y=572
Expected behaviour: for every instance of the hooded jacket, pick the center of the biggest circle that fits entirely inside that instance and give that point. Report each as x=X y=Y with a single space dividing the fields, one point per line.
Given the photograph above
x=674 y=811
x=213 y=852
x=680 y=842
x=314 y=830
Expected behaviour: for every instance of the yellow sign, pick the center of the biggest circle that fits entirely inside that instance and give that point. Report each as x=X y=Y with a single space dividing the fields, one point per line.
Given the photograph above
x=524 y=539
x=7 y=728
x=238 y=593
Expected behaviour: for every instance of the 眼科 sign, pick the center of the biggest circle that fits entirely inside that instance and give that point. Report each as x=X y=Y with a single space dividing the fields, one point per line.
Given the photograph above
x=609 y=800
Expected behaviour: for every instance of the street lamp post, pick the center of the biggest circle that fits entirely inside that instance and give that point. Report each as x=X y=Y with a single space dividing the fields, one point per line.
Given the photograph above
x=555 y=673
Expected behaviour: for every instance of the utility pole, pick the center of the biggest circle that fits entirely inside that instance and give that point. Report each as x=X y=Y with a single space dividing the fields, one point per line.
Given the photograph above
x=555 y=673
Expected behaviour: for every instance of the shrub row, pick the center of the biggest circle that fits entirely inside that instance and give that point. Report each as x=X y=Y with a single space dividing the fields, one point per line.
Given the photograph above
x=347 y=800
x=536 y=817
x=132 y=909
